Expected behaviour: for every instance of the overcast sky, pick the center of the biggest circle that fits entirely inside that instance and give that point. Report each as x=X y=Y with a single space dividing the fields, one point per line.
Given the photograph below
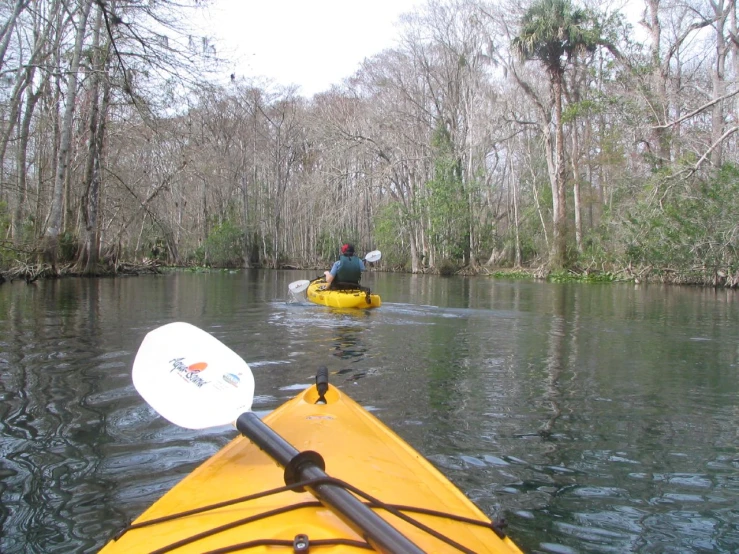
x=310 y=43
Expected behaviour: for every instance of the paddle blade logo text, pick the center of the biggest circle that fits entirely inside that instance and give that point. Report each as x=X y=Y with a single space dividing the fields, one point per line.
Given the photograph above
x=232 y=379
x=189 y=372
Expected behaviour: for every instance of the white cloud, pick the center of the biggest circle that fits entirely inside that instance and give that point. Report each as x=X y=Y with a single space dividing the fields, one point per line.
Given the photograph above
x=310 y=43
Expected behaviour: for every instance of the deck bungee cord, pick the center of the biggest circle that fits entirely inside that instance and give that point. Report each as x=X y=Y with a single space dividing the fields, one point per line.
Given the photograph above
x=395 y=509
x=242 y=497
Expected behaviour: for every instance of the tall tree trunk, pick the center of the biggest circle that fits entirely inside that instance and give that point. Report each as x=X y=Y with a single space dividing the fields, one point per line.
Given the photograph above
x=51 y=246
x=575 y=156
x=516 y=219
x=551 y=159
x=89 y=255
x=658 y=103
x=22 y=156
x=734 y=46
x=719 y=82
x=247 y=251
x=559 y=252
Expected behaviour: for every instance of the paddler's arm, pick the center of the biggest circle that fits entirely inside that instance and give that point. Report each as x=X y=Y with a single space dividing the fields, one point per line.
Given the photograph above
x=330 y=275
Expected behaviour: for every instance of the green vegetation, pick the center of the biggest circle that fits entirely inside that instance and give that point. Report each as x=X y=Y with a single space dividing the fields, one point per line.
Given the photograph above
x=562 y=276
x=448 y=204
x=588 y=277
x=513 y=274
x=390 y=237
x=224 y=247
x=689 y=227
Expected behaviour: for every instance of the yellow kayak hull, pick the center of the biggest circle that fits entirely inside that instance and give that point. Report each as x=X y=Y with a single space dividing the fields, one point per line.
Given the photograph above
x=356 y=447
x=317 y=294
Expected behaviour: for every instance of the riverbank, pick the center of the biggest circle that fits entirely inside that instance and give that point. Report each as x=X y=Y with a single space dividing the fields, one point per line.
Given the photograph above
x=692 y=277
x=629 y=275
x=33 y=272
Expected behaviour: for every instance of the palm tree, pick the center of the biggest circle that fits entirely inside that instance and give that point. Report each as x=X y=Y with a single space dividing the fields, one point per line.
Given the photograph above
x=553 y=31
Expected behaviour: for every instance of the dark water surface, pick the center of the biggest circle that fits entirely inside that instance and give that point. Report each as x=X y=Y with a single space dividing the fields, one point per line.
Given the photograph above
x=595 y=418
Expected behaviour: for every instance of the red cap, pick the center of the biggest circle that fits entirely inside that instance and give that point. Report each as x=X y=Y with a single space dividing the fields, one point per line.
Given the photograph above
x=347 y=249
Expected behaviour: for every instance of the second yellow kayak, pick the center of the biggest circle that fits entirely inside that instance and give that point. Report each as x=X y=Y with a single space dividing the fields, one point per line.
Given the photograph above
x=349 y=298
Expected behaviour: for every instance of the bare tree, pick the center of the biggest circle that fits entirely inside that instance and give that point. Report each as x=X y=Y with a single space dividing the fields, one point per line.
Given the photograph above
x=7 y=29
x=89 y=252
x=55 y=218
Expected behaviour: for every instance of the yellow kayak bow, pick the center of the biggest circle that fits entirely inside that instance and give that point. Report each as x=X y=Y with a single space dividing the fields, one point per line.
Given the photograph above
x=320 y=473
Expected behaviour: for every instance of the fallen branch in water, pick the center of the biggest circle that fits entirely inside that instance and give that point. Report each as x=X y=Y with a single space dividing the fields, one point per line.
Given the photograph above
x=30 y=273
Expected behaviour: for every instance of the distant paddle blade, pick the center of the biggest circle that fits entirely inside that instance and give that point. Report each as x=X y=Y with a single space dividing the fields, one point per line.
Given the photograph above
x=298 y=286
x=191 y=378
x=373 y=256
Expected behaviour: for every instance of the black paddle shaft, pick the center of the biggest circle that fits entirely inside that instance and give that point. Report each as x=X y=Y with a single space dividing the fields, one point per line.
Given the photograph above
x=348 y=507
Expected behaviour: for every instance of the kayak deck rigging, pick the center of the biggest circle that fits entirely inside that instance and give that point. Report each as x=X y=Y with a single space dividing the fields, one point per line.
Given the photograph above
x=240 y=499
x=269 y=487
x=395 y=509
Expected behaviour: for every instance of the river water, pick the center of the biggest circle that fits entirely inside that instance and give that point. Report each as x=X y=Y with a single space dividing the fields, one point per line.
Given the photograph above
x=595 y=418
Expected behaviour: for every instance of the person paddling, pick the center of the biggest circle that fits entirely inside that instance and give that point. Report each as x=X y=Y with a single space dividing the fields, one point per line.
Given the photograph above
x=346 y=271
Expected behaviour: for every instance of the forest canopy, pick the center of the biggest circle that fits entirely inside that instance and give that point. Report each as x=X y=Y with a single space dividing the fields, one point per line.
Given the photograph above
x=550 y=135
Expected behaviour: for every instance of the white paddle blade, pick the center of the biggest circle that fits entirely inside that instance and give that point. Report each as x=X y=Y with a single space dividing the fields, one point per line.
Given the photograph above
x=191 y=378
x=298 y=286
x=373 y=256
